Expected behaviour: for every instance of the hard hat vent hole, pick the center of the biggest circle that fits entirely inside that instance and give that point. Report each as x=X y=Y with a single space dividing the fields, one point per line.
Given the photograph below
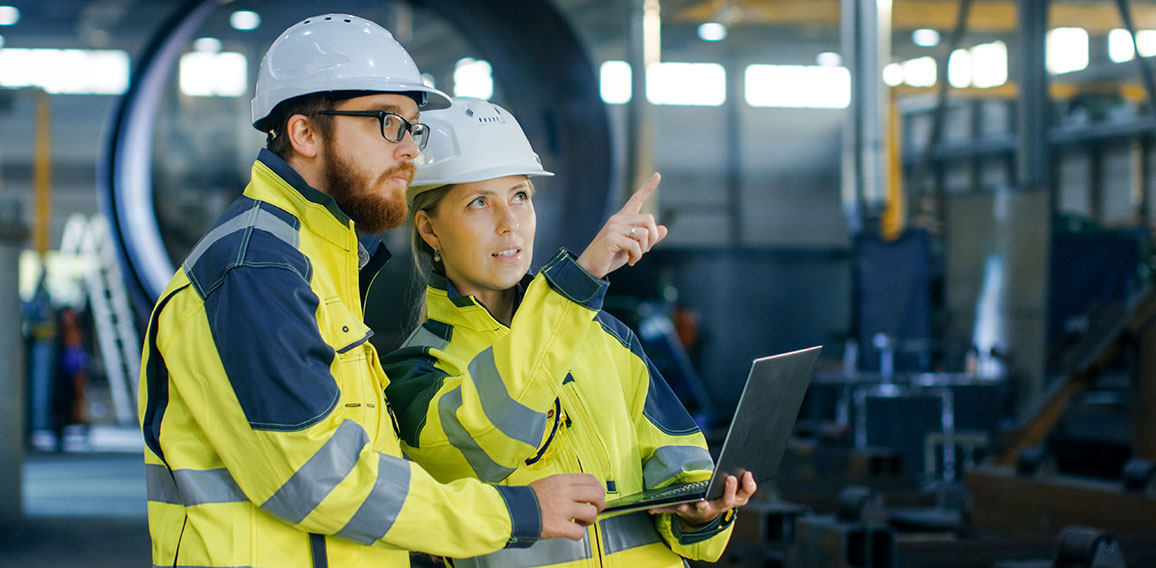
x=307 y=21
x=348 y=21
x=328 y=18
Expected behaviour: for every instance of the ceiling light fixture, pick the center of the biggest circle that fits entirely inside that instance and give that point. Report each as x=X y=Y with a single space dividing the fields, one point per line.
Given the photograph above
x=9 y=15
x=245 y=20
x=712 y=31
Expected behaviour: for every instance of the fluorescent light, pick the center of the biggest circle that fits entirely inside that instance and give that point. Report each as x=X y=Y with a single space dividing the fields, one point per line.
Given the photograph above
x=1120 y=47
x=798 y=86
x=712 y=31
x=959 y=69
x=920 y=72
x=989 y=64
x=207 y=45
x=223 y=74
x=829 y=59
x=1067 y=50
x=72 y=71
x=893 y=74
x=245 y=20
x=614 y=82
x=925 y=37
x=699 y=84
x=472 y=78
x=9 y=15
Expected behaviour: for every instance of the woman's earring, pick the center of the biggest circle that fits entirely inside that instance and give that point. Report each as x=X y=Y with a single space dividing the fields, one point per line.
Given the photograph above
x=437 y=255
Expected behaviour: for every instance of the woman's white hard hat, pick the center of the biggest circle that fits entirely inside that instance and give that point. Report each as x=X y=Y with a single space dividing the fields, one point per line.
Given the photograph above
x=472 y=140
x=337 y=52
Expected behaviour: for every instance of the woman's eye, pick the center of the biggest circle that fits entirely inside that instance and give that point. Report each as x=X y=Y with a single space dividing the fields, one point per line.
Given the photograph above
x=477 y=203
x=521 y=197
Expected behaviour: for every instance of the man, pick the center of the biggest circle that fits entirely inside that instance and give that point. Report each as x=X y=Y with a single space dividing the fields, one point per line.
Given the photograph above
x=268 y=439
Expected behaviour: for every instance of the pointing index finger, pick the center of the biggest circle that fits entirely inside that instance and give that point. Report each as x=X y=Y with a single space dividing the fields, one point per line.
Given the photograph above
x=634 y=204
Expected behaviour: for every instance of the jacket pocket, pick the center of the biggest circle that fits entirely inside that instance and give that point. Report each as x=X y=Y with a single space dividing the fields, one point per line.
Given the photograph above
x=352 y=368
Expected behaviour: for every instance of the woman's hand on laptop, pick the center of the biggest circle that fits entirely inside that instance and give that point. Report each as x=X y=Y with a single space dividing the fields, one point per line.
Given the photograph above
x=699 y=513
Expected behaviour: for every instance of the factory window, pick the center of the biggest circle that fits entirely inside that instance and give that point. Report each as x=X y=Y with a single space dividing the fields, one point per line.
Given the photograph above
x=223 y=74
x=701 y=84
x=989 y=64
x=472 y=78
x=798 y=86
x=1067 y=50
x=1120 y=46
x=959 y=69
x=66 y=71
x=920 y=72
x=614 y=80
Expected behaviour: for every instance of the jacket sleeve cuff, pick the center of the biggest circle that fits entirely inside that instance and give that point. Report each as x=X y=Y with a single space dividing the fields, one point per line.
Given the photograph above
x=689 y=537
x=525 y=516
x=568 y=278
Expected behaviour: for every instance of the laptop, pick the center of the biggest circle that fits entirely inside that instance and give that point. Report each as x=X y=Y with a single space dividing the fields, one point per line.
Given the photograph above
x=757 y=437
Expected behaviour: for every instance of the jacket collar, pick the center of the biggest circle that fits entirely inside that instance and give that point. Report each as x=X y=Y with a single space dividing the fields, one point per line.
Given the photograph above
x=286 y=172
x=445 y=304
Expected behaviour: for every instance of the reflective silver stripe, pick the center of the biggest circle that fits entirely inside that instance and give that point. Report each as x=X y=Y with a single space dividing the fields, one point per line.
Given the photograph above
x=511 y=417
x=379 y=511
x=160 y=485
x=192 y=487
x=484 y=467
x=541 y=553
x=255 y=217
x=422 y=337
x=310 y=484
x=628 y=531
x=199 y=487
x=669 y=461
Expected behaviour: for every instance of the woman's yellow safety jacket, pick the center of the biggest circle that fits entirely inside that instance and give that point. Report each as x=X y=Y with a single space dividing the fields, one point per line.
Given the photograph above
x=548 y=395
x=268 y=440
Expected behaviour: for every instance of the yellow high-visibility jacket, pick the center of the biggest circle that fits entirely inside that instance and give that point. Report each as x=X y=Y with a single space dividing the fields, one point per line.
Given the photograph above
x=509 y=405
x=268 y=440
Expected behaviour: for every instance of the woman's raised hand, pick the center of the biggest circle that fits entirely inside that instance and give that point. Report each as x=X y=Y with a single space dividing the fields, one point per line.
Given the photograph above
x=626 y=236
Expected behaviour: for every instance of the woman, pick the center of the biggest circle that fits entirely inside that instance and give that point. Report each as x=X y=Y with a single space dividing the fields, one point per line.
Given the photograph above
x=511 y=378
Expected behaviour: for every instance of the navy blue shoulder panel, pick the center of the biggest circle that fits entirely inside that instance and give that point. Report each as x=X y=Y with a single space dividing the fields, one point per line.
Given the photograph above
x=251 y=233
x=263 y=321
x=262 y=314
x=662 y=407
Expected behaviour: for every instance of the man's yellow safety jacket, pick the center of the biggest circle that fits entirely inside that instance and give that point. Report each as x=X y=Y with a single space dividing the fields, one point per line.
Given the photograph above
x=268 y=440
x=551 y=394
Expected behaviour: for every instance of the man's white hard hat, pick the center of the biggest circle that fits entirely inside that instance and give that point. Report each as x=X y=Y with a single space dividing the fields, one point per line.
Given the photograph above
x=337 y=52
x=472 y=140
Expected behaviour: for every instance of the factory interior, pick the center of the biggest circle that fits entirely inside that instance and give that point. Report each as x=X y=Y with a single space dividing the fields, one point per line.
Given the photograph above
x=954 y=198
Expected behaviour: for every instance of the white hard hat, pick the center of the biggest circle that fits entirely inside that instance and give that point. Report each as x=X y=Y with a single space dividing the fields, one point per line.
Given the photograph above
x=473 y=140
x=337 y=52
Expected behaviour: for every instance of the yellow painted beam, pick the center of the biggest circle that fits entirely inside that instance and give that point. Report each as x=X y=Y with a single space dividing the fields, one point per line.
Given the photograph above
x=43 y=171
x=987 y=16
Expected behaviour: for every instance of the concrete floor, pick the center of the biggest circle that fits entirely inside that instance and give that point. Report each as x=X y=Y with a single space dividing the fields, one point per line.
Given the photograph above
x=83 y=510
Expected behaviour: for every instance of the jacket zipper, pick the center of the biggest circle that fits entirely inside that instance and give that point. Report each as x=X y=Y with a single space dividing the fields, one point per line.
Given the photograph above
x=598 y=445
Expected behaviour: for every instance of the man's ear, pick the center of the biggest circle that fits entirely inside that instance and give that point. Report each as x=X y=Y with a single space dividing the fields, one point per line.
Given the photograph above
x=303 y=135
x=425 y=228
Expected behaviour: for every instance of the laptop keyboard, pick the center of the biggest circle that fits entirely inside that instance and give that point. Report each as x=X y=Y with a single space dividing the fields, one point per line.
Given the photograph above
x=695 y=487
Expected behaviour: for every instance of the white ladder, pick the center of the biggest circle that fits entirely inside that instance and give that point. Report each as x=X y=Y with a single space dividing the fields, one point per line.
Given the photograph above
x=112 y=316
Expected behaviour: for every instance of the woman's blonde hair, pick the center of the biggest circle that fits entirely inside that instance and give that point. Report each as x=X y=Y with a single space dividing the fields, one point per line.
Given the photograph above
x=422 y=253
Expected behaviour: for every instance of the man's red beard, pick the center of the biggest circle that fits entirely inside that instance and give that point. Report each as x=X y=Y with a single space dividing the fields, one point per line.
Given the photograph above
x=372 y=211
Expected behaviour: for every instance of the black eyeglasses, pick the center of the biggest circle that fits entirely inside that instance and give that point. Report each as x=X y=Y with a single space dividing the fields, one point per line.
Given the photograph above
x=393 y=125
